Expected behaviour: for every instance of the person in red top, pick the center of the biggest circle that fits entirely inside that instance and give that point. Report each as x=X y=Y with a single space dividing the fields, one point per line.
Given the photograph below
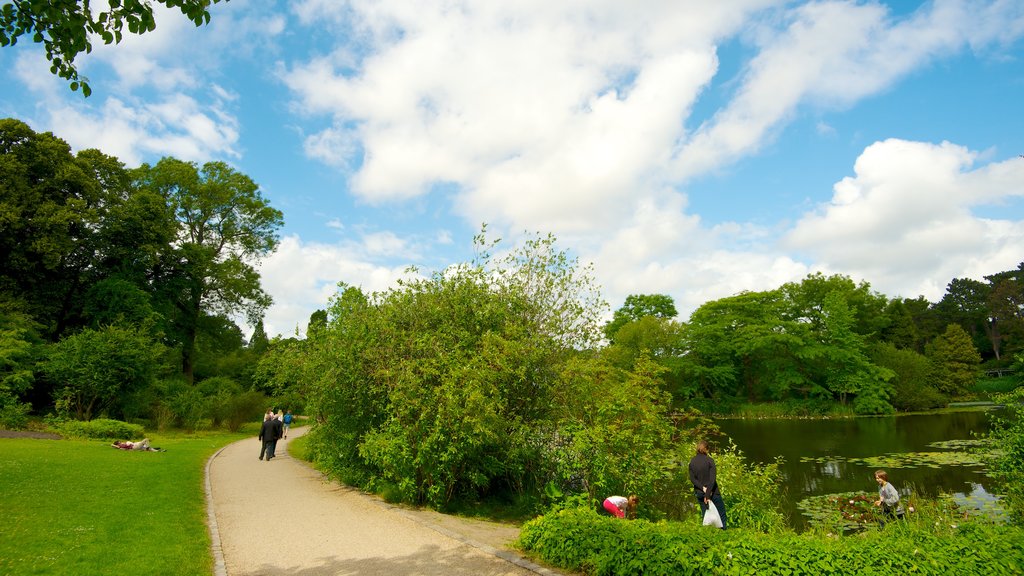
x=620 y=506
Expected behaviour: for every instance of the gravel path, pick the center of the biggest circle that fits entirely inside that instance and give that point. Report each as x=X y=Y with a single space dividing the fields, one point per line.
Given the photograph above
x=283 y=517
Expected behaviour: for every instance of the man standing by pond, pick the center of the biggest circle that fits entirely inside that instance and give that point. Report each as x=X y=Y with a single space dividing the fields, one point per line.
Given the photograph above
x=705 y=483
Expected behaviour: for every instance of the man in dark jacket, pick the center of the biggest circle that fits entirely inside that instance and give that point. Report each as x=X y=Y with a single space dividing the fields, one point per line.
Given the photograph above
x=278 y=433
x=705 y=485
x=267 y=438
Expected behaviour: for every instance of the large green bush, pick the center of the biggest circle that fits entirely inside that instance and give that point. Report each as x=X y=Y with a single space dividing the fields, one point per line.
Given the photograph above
x=100 y=428
x=1007 y=463
x=580 y=540
x=95 y=370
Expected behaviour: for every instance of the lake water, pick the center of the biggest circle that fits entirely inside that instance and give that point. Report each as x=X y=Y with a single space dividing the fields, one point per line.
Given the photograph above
x=834 y=456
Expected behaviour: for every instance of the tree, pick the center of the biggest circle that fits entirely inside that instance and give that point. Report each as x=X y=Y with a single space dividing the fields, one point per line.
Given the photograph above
x=900 y=329
x=807 y=299
x=661 y=340
x=65 y=27
x=614 y=435
x=638 y=306
x=19 y=351
x=848 y=369
x=259 y=342
x=966 y=303
x=95 y=369
x=749 y=344
x=955 y=361
x=223 y=225
x=1006 y=306
x=912 y=389
x=442 y=386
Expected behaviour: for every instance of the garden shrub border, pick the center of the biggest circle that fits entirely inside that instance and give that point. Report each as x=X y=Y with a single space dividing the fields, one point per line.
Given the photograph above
x=580 y=540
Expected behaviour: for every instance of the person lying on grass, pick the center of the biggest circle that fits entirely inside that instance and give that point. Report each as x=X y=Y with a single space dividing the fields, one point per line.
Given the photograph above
x=140 y=445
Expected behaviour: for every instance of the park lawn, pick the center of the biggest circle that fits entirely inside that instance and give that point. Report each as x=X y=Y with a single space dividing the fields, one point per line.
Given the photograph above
x=82 y=507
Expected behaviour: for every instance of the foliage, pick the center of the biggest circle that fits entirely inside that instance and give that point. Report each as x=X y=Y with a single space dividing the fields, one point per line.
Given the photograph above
x=747 y=345
x=752 y=492
x=101 y=428
x=94 y=369
x=661 y=340
x=66 y=28
x=218 y=393
x=244 y=407
x=19 y=350
x=613 y=433
x=14 y=415
x=912 y=388
x=580 y=540
x=955 y=361
x=1007 y=462
x=442 y=387
x=223 y=225
x=638 y=307
x=281 y=370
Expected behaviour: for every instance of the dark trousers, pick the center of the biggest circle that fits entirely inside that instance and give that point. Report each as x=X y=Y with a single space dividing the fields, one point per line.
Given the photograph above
x=272 y=450
x=267 y=449
x=718 y=502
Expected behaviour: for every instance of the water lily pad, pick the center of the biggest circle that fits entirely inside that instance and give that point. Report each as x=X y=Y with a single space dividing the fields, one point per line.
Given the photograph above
x=843 y=511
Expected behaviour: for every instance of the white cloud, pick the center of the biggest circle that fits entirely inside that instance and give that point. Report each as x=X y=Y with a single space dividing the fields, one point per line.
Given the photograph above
x=834 y=54
x=303 y=276
x=905 y=221
x=572 y=118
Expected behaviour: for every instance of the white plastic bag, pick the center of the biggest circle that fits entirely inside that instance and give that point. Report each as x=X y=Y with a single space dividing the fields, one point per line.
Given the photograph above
x=711 y=517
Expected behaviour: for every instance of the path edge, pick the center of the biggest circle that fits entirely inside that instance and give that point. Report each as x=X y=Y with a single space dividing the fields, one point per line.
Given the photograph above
x=220 y=568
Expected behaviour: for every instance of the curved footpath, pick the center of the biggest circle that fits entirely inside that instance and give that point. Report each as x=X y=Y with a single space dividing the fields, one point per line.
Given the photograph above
x=283 y=517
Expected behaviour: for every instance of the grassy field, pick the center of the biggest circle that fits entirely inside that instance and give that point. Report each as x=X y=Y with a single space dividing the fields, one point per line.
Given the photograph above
x=82 y=507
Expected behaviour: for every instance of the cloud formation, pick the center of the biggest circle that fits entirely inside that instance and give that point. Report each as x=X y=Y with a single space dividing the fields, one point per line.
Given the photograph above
x=593 y=120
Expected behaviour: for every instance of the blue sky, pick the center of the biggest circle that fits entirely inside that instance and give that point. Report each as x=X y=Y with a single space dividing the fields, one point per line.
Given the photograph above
x=696 y=149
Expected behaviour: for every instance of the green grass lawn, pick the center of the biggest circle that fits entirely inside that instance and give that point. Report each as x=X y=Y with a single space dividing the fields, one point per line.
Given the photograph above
x=82 y=507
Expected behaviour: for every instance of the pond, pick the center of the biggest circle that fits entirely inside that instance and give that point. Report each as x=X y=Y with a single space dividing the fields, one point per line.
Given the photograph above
x=924 y=454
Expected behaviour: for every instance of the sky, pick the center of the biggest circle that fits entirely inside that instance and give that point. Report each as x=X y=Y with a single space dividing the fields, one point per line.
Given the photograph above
x=684 y=147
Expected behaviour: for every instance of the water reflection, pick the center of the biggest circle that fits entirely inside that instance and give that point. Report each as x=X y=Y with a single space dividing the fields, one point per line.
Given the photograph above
x=837 y=456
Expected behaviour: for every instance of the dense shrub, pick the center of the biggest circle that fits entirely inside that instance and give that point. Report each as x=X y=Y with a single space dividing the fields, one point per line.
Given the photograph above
x=1008 y=457
x=751 y=492
x=100 y=428
x=580 y=540
x=14 y=415
x=245 y=407
x=95 y=369
x=218 y=392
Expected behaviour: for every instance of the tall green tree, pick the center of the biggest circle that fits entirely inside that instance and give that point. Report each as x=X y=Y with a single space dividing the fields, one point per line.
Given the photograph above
x=912 y=387
x=966 y=303
x=1006 y=305
x=848 y=370
x=67 y=28
x=955 y=361
x=750 y=345
x=660 y=340
x=223 y=225
x=807 y=299
x=638 y=306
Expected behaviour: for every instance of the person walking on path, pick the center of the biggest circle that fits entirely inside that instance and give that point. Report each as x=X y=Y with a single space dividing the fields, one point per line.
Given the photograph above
x=267 y=438
x=287 y=422
x=342 y=531
x=278 y=432
x=703 y=476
